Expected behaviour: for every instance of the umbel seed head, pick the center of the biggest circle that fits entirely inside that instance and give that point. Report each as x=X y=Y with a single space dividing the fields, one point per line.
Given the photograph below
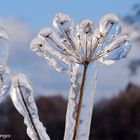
x=66 y=43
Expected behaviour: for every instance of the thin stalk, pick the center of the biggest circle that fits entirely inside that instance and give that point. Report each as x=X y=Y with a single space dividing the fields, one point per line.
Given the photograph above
x=98 y=40
x=75 y=137
x=86 y=48
x=72 y=44
x=70 y=41
x=81 y=47
x=30 y=116
x=105 y=53
x=94 y=49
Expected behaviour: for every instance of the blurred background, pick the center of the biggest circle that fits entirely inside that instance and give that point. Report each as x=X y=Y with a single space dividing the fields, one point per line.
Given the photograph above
x=117 y=100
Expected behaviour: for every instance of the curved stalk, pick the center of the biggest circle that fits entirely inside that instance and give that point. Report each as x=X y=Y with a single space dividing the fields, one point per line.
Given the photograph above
x=30 y=116
x=22 y=98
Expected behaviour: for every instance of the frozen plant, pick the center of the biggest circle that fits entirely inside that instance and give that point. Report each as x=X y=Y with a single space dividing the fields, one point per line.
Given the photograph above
x=20 y=92
x=76 y=50
x=21 y=95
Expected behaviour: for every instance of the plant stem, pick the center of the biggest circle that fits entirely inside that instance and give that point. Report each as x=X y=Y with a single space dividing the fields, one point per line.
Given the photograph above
x=30 y=116
x=75 y=137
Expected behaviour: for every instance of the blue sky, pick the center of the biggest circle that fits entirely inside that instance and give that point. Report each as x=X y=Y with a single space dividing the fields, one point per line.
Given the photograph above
x=40 y=13
x=23 y=19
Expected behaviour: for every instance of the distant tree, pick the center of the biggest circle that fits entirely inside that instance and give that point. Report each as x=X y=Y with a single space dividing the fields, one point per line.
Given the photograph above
x=114 y=119
x=133 y=18
x=118 y=118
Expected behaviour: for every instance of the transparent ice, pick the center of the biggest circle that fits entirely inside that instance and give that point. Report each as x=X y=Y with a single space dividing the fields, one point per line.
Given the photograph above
x=5 y=81
x=21 y=95
x=4 y=46
x=76 y=49
x=5 y=76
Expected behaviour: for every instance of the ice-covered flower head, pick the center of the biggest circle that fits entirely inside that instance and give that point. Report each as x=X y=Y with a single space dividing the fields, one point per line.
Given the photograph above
x=66 y=43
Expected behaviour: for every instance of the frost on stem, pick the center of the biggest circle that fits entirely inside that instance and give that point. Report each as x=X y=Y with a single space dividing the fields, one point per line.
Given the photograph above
x=21 y=95
x=76 y=49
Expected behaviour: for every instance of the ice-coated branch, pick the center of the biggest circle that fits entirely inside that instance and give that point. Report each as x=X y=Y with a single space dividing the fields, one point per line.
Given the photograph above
x=22 y=98
x=76 y=49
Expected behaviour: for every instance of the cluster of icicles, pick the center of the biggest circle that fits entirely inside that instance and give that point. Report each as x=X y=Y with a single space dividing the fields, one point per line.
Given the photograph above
x=70 y=48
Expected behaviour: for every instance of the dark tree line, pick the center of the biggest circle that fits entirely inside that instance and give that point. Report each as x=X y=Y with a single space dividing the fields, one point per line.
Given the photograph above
x=114 y=119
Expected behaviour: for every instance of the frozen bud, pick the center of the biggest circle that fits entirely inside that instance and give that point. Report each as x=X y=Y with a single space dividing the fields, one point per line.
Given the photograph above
x=109 y=26
x=45 y=32
x=62 y=24
x=37 y=46
x=86 y=26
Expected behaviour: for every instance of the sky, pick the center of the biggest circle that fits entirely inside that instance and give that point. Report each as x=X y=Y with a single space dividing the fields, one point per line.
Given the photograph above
x=40 y=13
x=24 y=19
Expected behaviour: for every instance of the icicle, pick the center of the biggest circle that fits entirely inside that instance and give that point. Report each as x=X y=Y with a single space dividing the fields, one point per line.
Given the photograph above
x=21 y=95
x=5 y=81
